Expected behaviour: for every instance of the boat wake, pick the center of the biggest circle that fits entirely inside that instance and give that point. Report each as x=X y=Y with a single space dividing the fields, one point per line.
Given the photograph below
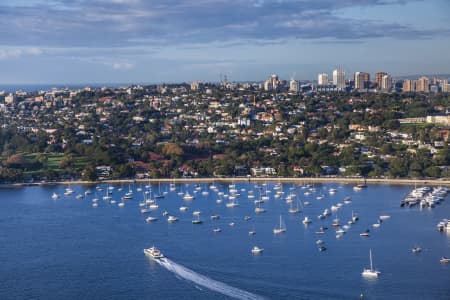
x=203 y=281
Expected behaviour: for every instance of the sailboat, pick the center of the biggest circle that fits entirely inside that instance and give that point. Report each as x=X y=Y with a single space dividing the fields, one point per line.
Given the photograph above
x=159 y=195
x=281 y=228
x=294 y=210
x=197 y=220
x=370 y=272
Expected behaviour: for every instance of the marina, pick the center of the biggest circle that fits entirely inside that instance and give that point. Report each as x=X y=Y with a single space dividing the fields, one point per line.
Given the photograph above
x=271 y=261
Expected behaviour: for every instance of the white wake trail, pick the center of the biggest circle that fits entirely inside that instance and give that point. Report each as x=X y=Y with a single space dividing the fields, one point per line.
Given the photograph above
x=207 y=282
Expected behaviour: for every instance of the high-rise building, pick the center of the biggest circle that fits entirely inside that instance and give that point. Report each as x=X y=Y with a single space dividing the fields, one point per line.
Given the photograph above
x=423 y=85
x=339 y=79
x=322 y=79
x=294 y=86
x=379 y=78
x=409 y=86
x=386 y=83
x=362 y=80
x=195 y=86
x=445 y=86
x=271 y=83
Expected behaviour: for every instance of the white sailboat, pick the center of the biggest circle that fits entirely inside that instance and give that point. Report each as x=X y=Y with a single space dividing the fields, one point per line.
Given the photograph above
x=281 y=228
x=370 y=272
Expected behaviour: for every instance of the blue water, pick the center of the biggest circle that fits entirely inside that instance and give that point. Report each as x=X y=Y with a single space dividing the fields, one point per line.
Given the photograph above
x=67 y=249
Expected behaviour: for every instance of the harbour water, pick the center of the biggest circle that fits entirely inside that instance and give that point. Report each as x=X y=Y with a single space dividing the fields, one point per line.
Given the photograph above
x=67 y=249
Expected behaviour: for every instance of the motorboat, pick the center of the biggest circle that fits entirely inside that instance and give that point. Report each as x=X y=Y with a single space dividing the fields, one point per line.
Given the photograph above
x=154 y=253
x=172 y=219
x=55 y=196
x=416 y=250
x=215 y=217
x=188 y=197
x=306 y=220
x=151 y=219
x=444 y=260
x=217 y=230
x=257 y=250
x=184 y=208
x=365 y=233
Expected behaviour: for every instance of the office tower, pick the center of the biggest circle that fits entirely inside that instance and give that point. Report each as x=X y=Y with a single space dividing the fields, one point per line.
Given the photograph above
x=322 y=79
x=379 y=78
x=339 y=79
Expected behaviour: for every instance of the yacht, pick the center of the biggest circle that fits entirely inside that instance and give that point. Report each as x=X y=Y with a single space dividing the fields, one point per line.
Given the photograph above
x=370 y=272
x=257 y=250
x=184 y=208
x=154 y=253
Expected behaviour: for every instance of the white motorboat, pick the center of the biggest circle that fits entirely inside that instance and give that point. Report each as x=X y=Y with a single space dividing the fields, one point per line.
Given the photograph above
x=416 y=250
x=306 y=220
x=151 y=219
x=371 y=272
x=217 y=230
x=154 y=253
x=55 y=196
x=444 y=260
x=172 y=219
x=188 y=197
x=257 y=250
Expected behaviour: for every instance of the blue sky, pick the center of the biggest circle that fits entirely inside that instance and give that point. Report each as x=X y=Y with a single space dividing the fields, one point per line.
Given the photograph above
x=143 y=41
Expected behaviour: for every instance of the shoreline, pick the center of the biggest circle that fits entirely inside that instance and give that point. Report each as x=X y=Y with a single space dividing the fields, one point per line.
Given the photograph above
x=304 y=180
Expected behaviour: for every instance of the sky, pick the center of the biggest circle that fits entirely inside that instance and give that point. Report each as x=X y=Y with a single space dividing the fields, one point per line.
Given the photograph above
x=155 y=41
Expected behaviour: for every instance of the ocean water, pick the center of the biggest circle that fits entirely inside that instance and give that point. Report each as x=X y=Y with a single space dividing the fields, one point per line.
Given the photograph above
x=68 y=249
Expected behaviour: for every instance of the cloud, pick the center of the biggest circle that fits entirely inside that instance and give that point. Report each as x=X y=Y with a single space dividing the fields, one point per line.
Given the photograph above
x=130 y=23
x=122 y=66
x=19 y=52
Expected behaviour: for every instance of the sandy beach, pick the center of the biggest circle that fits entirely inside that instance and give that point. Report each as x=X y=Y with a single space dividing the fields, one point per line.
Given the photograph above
x=302 y=180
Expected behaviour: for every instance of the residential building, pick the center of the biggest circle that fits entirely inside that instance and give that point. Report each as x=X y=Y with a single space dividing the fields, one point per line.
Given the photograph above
x=423 y=85
x=294 y=86
x=386 y=83
x=379 y=78
x=339 y=79
x=322 y=79
x=409 y=86
x=362 y=80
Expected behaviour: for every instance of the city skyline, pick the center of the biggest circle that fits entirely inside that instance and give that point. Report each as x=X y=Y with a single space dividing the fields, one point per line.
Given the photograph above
x=126 y=41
